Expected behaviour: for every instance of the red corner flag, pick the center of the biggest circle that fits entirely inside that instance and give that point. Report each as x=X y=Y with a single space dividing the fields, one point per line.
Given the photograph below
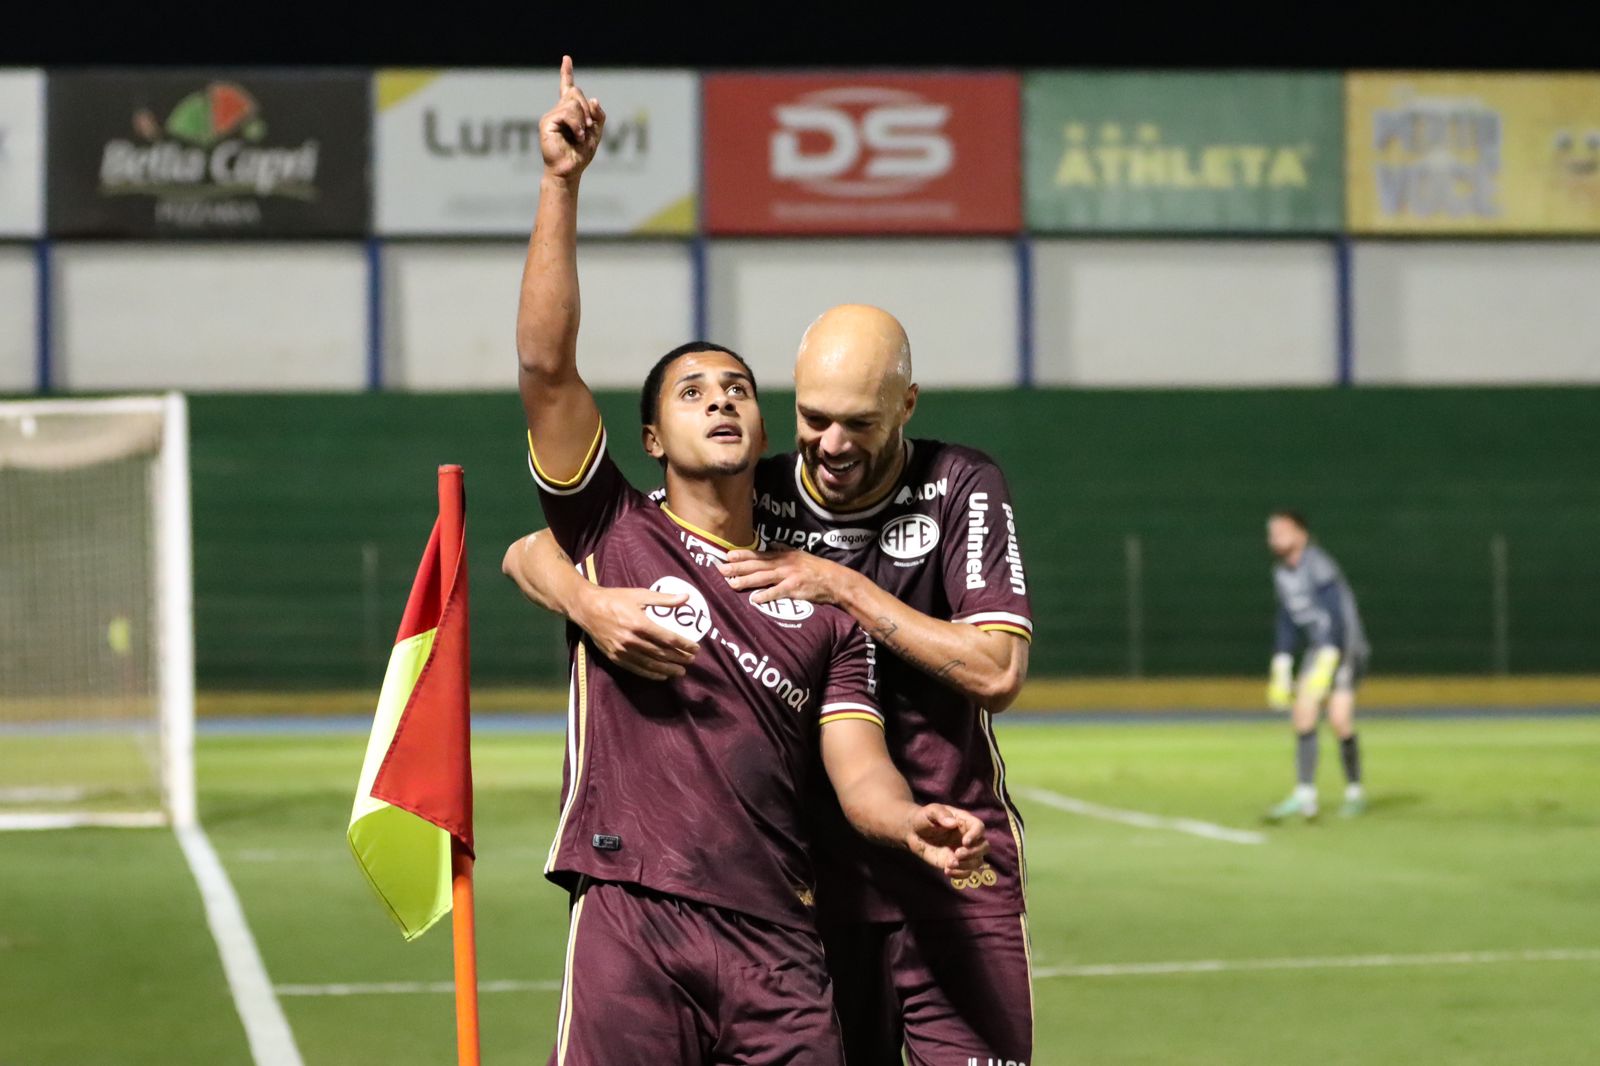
x=411 y=827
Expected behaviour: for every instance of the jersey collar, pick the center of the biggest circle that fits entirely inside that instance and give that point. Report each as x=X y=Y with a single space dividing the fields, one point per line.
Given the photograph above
x=711 y=538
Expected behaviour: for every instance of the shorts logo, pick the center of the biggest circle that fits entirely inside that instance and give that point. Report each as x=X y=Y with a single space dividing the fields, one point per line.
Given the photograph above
x=848 y=539
x=983 y=877
x=786 y=611
x=993 y=1061
x=692 y=619
x=911 y=536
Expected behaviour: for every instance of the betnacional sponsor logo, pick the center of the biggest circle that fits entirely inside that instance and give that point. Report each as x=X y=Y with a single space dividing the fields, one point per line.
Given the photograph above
x=784 y=610
x=691 y=619
x=849 y=539
x=910 y=536
x=862 y=153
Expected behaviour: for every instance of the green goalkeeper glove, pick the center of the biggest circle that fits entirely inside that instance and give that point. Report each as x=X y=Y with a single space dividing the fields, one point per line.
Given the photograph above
x=1280 y=689
x=1319 y=678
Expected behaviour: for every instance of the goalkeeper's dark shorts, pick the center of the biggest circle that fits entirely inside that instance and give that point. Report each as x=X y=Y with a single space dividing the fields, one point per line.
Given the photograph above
x=658 y=980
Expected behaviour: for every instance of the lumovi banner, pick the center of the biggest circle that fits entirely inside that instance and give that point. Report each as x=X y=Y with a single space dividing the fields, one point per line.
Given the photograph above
x=1219 y=153
x=458 y=152
x=200 y=154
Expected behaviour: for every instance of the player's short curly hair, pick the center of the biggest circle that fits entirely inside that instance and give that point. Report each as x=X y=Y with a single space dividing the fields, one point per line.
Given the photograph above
x=650 y=396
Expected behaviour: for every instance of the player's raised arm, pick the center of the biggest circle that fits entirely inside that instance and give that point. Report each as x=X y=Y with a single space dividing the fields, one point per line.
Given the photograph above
x=563 y=420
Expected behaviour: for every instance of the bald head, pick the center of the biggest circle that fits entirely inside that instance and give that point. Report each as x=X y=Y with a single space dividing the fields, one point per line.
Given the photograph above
x=853 y=395
x=856 y=348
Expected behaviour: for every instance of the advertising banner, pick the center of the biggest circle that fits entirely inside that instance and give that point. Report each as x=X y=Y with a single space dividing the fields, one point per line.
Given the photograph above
x=21 y=153
x=208 y=153
x=862 y=153
x=1184 y=152
x=1473 y=153
x=458 y=152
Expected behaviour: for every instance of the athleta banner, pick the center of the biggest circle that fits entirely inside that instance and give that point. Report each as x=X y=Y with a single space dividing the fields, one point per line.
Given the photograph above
x=218 y=153
x=21 y=153
x=862 y=153
x=1478 y=153
x=458 y=152
x=1184 y=152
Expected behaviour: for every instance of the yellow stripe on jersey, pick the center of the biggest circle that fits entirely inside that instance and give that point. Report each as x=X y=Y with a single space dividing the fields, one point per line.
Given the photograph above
x=578 y=723
x=712 y=537
x=1002 y=627
x=842 y=716
x=986 y=722
x=583 y=468
x=565 y=1024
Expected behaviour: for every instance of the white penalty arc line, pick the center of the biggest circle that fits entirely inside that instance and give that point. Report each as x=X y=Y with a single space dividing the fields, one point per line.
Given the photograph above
x=265 y=1027
x=1119 y=969
x=1191 y=826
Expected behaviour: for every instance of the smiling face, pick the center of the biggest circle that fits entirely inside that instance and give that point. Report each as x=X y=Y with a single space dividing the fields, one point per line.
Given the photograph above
x=708 y=423
x=853 y=397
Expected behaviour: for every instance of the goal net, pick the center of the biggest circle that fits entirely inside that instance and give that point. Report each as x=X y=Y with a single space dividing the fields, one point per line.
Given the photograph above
x=96 y=631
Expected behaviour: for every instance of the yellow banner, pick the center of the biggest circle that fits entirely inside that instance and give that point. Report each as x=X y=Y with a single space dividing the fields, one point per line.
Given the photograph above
x=1480 y=153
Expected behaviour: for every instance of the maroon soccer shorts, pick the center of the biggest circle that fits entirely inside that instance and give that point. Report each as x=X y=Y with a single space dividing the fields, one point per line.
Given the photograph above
x=951 y=991
x=658 y=980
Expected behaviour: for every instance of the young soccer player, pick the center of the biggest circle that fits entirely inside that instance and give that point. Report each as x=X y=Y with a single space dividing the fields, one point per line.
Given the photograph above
x=683 y=835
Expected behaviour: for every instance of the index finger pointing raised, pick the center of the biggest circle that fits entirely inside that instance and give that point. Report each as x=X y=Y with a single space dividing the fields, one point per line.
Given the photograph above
x=566 y=74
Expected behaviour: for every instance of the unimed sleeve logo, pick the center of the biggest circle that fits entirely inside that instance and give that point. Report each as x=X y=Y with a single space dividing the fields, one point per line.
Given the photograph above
x=861 y=141
x=862 y=153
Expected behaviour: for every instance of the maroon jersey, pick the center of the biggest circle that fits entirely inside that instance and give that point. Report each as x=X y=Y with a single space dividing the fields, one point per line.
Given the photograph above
x=943 y=542
x=695 y=787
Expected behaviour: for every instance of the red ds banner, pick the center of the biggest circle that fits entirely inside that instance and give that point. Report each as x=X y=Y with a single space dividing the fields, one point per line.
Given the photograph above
x=862 y=153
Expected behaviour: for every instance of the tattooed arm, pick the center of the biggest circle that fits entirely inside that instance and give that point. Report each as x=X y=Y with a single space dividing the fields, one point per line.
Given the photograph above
x=988 y=666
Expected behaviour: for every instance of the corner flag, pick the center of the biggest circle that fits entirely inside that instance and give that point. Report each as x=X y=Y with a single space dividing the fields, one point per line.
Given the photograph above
x=413 y=807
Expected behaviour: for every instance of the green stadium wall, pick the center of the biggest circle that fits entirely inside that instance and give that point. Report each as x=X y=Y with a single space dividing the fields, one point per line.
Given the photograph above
x=310 y=515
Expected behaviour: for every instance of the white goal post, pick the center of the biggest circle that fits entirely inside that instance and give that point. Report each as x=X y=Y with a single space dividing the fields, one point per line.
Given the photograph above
x=96 y=613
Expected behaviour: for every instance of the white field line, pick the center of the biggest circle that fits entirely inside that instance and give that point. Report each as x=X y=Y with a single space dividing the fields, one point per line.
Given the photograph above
x=45 y=820
x=1192 y=826
x=1330 y=962
x=1119 y=969
x=265 y=1027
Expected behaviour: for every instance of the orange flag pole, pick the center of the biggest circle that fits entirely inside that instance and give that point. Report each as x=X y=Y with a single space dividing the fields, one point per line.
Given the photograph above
x=452 y=523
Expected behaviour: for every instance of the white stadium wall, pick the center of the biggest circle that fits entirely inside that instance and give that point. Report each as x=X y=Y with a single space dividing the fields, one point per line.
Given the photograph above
x=210 y=317
x=450 y=311
x=1184 y=313
x=1477 y=313
x=957 y=298
x=19 y=300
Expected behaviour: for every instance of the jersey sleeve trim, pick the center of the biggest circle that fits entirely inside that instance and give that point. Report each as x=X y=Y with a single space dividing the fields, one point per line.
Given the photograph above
x=998 y=619
x=844 y=712
x=577 y=482
x=1005 y=627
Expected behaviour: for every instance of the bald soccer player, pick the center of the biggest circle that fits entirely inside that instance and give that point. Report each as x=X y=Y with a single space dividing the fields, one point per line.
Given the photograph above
x=683 y=830
x=916 y=539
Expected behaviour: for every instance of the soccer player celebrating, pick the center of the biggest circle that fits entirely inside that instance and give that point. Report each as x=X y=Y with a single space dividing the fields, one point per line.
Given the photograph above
x=916 y=539
x=682 y=830
x=1315 y=605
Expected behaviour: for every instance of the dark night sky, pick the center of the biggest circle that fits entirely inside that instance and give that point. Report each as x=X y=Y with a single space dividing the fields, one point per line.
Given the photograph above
x=1477 y=34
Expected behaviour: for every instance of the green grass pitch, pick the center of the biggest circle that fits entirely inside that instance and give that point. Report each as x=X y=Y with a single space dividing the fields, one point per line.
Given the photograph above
x=1484 y=837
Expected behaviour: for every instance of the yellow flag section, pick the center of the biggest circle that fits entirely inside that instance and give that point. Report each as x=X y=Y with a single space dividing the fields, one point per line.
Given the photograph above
x=1479 y=153
x=406 y=859
x=413 y=806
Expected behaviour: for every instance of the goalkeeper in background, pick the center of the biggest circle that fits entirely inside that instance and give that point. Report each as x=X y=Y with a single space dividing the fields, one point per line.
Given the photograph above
x=1316 y=606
